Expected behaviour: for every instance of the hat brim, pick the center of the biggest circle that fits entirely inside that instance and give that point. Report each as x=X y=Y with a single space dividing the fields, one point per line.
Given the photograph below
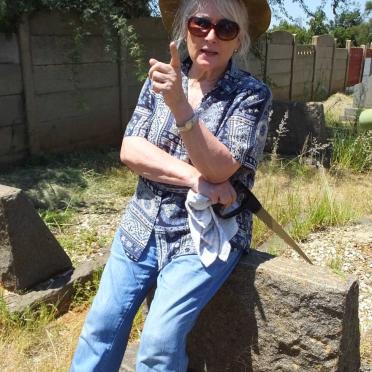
x=259 y=15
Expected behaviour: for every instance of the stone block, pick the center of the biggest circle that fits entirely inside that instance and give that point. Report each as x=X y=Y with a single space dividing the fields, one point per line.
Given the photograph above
x=304 y=120
x=29 y=253
x=274 y=314
x=58 y=290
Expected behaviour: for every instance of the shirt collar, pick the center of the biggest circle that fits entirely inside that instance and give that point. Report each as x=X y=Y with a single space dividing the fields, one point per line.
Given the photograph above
x=227 y=84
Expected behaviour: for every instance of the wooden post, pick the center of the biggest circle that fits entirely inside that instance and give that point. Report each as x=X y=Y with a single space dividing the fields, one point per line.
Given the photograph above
x=32 y=121
x=293 y=64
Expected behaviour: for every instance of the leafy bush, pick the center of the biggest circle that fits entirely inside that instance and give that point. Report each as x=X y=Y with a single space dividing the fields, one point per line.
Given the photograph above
x=12 y=11
x=113 y=14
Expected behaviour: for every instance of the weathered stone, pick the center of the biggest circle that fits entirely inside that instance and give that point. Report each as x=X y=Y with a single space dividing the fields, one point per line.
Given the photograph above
x=29 y=253
x=304 y=120
x=58 y=290
x=129 y=362
x=274 y=314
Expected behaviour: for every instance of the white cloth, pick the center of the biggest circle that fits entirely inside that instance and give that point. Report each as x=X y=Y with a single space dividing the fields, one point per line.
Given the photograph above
x=210 y=233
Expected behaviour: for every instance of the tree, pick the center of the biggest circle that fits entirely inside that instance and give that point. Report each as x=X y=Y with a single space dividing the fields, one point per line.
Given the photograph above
x=346 y=26
x=318 y=24
x=302 y=35
x=368 y=7
x=363 y=33
x=335 y=5
x=11 y=11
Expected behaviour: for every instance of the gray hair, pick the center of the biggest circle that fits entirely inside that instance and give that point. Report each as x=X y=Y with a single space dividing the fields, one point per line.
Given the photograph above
x=234 y=10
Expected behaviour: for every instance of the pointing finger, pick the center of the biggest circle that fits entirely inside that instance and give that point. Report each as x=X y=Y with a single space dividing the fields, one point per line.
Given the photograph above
x=175 y=57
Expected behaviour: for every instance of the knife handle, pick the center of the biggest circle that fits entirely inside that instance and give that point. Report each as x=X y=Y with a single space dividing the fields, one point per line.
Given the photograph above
x=251 y=202
x=248 y=201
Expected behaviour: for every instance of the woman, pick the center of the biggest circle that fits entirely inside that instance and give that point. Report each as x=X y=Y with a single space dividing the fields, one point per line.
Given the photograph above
x=199 y=125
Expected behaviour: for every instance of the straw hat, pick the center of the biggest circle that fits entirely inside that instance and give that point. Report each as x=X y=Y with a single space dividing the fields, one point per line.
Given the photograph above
x=259 y=15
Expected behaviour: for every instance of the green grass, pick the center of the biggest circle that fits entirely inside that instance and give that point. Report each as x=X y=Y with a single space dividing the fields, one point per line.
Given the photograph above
x=335 y=264
x=31 y=320
x=84 y=293
x=351 y=151
x=68 y=189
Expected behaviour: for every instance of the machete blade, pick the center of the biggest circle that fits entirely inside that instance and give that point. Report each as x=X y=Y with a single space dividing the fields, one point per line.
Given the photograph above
x=269 y=221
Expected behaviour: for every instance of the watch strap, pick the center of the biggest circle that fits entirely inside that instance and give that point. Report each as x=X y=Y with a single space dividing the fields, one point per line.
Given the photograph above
x=187 y=125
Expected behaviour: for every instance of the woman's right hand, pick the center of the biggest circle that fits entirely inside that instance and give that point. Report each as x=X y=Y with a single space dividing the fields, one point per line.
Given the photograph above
x=222 y=193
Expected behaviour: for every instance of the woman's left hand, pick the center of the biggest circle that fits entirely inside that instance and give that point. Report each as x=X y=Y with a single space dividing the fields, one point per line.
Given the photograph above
x=167 y=79
x=222 y=193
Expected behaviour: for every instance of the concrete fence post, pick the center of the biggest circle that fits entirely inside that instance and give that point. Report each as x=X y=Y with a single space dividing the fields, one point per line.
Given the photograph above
x=364 y=47
x=28 y=85
x=332 y=67
x=348 y=47
x=313 y=42
x=123 y=83
x=324 y=57
x=293 y=64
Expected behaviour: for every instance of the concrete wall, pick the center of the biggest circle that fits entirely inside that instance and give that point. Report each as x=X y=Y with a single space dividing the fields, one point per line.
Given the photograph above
x=325 y=48
x=340 y=64
x=303 y=73
x=279 y=64
x=56 y=95
x=13 y=136
x=155 y=41
x=76 y=98
x=256 y=59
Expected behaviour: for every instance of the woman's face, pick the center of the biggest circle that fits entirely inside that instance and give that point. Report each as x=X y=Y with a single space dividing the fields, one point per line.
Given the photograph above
x=209 y=52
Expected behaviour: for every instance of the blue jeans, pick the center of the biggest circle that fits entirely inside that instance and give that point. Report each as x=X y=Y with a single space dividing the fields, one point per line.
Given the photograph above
x=184 y=287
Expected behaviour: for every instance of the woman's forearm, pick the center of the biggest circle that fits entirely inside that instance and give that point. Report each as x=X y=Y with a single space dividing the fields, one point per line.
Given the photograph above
x=207 y=153
x=150 y=162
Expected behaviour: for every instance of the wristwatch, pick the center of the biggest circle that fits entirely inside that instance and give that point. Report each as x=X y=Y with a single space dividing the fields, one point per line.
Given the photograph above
x=187 y=125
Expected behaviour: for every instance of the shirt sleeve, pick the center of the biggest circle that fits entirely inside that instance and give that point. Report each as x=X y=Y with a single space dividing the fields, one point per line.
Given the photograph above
x=245 y=131
x=139 y=124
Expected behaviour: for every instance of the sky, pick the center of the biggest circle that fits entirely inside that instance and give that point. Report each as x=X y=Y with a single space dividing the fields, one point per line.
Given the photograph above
x=296 y=12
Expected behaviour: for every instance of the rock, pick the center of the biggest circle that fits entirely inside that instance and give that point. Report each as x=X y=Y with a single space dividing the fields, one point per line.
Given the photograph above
x=275 y=314
x=129 y=361
x=59 y=290
x=29 y=253
x=304 y=120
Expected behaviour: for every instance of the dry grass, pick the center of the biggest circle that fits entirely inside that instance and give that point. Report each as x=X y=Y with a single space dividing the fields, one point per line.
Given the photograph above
x=49 y=347
x=311 y=200
x=83 y=209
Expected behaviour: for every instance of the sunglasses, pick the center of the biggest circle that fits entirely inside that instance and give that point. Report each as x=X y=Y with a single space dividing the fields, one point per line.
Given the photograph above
x=225 y=29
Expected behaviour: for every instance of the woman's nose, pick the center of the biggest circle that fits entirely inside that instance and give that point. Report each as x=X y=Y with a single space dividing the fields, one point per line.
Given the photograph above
x=211 y=36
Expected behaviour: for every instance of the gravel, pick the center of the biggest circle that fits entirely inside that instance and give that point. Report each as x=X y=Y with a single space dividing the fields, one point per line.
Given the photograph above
x=348 y=250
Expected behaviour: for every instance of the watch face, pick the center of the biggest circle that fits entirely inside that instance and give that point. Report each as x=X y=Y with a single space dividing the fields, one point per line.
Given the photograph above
x=189 y=125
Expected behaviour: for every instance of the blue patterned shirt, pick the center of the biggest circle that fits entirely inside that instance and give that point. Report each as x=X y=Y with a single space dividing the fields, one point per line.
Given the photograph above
x=236 y=111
